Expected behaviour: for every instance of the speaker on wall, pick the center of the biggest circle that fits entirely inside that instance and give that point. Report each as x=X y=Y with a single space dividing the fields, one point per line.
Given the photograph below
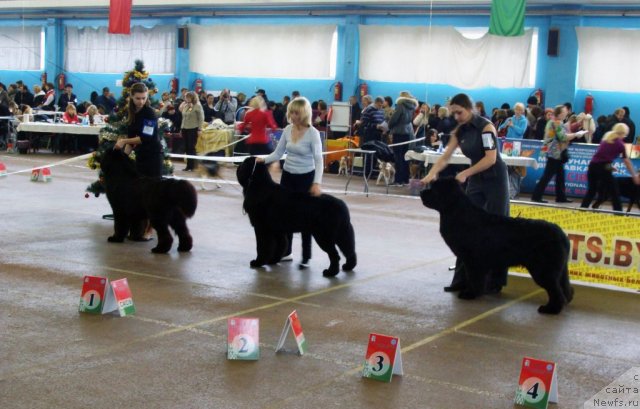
x=552 y=44
x=183 y=37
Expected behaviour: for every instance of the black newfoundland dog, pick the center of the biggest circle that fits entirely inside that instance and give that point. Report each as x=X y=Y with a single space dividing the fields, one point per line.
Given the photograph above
x=275 y=211
x=486 y=241
x=135 y=199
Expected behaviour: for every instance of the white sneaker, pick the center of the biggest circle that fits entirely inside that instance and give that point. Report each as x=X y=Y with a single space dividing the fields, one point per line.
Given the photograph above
x=303 y=264
x=288 y=257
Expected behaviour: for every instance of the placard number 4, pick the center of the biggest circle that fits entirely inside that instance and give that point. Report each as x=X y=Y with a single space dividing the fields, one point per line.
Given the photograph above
x=533 y=391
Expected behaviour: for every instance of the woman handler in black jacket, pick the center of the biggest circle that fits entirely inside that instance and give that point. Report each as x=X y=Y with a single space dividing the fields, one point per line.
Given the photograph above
x=487 y=183
x=143 y=133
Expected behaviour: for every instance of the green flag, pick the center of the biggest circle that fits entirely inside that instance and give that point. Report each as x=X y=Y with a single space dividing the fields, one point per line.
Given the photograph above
x=507 y=17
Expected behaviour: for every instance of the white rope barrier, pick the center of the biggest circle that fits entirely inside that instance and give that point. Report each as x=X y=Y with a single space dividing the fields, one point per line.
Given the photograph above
x=408 y=142
x=50 y=165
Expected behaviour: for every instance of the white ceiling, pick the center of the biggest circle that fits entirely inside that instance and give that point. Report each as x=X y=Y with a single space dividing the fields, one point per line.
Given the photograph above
x=78 y=4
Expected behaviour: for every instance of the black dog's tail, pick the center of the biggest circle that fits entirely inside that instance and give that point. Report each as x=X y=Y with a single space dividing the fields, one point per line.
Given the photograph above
x=184 y=195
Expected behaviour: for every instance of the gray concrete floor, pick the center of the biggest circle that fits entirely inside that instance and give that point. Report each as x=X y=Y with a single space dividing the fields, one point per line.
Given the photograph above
x=171 y=353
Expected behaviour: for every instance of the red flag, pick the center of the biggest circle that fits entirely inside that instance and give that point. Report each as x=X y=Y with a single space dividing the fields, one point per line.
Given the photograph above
x=120 y=16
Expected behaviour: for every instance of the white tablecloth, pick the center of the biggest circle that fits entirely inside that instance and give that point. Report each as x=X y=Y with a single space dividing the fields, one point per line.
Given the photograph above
x=429 y=157
x=46 y=127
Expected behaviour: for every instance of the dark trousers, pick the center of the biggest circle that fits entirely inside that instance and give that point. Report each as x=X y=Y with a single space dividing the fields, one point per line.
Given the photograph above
x=401 y=165
x=554 y=167
x=601 y=181
x=260 y=148
x=299 y=183
x=190 y=137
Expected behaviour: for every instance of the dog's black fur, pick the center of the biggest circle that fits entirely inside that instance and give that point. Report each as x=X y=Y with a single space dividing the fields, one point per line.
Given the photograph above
x=135 y=199
x=627 y=189
x=486 y=242
x=275 y=211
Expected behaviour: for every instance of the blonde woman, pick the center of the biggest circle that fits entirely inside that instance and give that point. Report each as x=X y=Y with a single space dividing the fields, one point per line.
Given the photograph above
x=93 y=117
x=303 y=167
x=257 y=119
x=600 y=173
x=192 y=119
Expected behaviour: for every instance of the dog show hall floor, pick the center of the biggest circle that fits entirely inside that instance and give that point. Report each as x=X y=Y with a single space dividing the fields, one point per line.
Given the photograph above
x=172 y=352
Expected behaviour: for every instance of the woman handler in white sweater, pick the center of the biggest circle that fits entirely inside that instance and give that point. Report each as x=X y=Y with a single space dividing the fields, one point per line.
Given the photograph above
x=303 y=167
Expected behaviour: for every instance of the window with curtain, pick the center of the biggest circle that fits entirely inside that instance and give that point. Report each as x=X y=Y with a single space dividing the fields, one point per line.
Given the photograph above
x=443 y=55
x=608 y=59
x=282 y=51
x=90 y=49
x=21 y=48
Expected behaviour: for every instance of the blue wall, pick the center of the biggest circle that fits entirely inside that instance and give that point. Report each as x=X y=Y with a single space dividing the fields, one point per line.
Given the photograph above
x=555 y=75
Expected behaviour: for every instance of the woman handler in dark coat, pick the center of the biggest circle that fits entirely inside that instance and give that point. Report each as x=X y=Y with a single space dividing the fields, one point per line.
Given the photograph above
x=487 y=182
x=143 y=133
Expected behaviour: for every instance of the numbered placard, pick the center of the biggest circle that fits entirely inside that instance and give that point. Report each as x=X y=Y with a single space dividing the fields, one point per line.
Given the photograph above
x=243 y=338
x=383 y=358
x=43 y=174
x=98 y=296
x=538 y=384
x=293 y=322
x=122 y=296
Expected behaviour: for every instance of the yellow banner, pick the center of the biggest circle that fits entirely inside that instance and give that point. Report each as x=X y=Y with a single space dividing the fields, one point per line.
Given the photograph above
x=605 y=248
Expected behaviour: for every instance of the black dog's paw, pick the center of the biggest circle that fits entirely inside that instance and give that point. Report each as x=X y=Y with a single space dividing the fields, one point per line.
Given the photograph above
x=256 y=263
x=185 y=244
x=160 y=249
x=115 y=239
x=569 y=296
x=467 y=295
x=350 y=264
x=550 y=309
x=330 y=272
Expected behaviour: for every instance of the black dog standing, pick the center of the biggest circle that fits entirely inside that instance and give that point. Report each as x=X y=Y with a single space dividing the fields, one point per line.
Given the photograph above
x=485 y=242
x=275 y=212
x=135 y=199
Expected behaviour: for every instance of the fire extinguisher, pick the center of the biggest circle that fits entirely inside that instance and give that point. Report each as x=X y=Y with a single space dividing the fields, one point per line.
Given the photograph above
x=197 y=85
x=364 y=89
x=43 y=78
x=337 y=91
x=539 y=96
x=61 y=81
x=173 y=84
x=588 y=104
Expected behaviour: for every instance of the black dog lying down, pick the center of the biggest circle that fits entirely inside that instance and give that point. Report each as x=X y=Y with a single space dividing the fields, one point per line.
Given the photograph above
x=627 y=189
x=275 y=211
x=134 y=199
x=485 y=241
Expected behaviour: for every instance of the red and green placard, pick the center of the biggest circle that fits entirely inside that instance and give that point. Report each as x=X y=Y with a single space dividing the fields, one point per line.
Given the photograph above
x=293 y=322
x=122 y=295
x=538 y=384
x=243 y=338
x=383 y=359
x=96 y=296
x=41 y=173
x=100 y=297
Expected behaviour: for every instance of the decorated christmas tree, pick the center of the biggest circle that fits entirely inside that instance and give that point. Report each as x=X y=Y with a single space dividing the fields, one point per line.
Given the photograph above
x=117 y=128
